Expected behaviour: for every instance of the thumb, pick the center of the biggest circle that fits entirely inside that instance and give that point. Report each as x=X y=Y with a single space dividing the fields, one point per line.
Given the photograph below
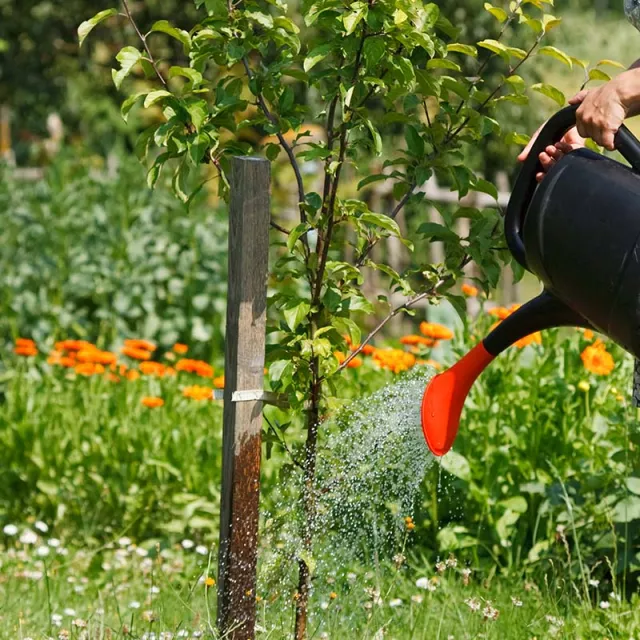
x=579 y=97
x=524 y=154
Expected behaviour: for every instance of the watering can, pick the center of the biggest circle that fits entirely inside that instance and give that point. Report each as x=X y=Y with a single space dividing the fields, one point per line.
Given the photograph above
x=578 y=231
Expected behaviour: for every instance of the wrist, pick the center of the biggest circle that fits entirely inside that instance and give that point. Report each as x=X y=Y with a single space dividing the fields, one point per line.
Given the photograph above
x=628 y=86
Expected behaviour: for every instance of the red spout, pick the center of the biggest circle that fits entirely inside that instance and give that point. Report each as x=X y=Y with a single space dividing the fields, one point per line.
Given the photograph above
x=445 y=395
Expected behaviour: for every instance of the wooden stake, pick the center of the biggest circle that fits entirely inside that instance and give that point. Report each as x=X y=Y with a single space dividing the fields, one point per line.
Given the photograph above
x=244 y=371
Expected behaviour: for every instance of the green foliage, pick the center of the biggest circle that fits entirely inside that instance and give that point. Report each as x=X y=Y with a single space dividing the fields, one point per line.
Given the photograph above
x=93 y=254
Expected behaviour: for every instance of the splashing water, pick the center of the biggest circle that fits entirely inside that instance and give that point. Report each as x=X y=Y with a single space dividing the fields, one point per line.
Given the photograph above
x=369 y=470
x=372 y=464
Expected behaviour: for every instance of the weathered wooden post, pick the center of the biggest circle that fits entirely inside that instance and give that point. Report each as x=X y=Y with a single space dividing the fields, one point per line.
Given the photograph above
x=244 y=375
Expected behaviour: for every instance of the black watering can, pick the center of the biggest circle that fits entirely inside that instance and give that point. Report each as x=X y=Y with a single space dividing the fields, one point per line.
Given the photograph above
x=579 y=232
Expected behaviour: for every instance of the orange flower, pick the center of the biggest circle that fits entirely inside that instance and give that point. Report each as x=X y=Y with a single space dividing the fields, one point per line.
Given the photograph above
x=199 y=367
x=135 y=353
x=152 y=403
x=25 y=342
x=196 y=392
x=145 y=345
x=435 y=331
x=367 y=350
x=73 y=345
x=133 y=375
x=354 y=363
x=587 y=334
x=56 y=359
x=26 y=351
x=112 y=377
x=89 y=369
x=394 y=359
x=150 y=368
x=500 y=312
x=218 y=382
x=96 y=356
x=533 y=338
x=180 y=348
x=169 y=371
x=597 y=359
x=417 y=340
x=469 y=290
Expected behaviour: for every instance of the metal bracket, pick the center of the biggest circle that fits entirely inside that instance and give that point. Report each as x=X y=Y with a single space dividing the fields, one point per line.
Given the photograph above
x=253 y=395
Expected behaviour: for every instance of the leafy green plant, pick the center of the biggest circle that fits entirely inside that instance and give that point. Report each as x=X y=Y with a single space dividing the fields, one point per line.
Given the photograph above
x=383 y=77
x=93 y=254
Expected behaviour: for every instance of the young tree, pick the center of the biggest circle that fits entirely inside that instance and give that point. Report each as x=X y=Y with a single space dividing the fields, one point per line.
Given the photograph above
x=384 y=78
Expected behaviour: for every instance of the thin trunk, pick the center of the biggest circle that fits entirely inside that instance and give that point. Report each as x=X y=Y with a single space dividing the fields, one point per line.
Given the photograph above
x=308 y=504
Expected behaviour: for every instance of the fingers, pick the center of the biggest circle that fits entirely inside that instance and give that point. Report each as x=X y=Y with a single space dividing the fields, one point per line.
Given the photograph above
x=524 y=154
x=607 y=139
x=579 y=97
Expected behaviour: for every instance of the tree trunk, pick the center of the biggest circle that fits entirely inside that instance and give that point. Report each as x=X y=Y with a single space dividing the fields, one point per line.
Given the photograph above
x=308 y=504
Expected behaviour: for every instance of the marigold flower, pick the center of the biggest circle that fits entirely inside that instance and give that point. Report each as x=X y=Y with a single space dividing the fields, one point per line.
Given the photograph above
x=26 y=351
x=435 y=331
x=73 y=345
x=597 y=359
x=218 y=382
x=417 y=340
x=152 y=402
x=534 y=338
x=354 y=363
x=500 y=312
x=180 y=348
x=199 y=367
x=25 y=342
x=145 y=345
x=587 y=334
x=169 y=371
x=394 y=359
x=112 y=377
x=209 y=582
x=333 y=595
x=430 y=363
x=469 y=290
x=132 y=375
x=367 y=350
x=94 y=355
x=89 y=369
x=151 y=368
x=135 y=353
x=196 y=392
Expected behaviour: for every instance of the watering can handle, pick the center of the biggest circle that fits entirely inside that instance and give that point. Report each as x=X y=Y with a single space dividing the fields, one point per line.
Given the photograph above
x=625 y=142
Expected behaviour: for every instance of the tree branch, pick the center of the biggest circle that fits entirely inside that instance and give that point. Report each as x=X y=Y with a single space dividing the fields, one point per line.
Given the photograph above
x=403 y=307
x=283 y=143
x=275 y=225
x=143 y=38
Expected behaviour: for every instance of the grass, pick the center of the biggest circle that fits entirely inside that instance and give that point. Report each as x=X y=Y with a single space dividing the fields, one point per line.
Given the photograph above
x=122 y=590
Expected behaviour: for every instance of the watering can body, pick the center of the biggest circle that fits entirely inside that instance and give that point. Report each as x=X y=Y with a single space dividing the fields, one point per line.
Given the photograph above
x=579 y=232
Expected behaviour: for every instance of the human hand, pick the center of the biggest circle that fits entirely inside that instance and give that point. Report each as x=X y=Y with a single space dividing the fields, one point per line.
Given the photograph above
x=570 y=141
x=603 y=110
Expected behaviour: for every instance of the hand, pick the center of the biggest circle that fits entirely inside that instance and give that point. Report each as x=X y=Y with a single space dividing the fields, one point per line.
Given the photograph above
x=570 y=141
x=604 y=109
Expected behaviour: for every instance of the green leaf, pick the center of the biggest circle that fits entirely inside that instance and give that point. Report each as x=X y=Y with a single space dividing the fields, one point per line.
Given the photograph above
x=598 y=74
x=128 y=104
x=437 y=231
x=550 y=92
x=485 y=186
x=263 y=19
x=553 y=52
x=88 y=25
x=194 y=77
x=156 y=96
x=381 y=220
x=375 y=134
x=295 y=234
x=415 y=143
x=399 y=16
x=610 y=63
x=164 y=26
x=465 y=49
x=352 y=20
x=127 y=57
x=633 y=484
x=627 y=510
x=499 y=14
x=457 y=465
x=317 y=55
x=374 y=50
x=369 y=179
x=295 y=315
x=495 y=47
x=443 y=63
x=347 y=326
